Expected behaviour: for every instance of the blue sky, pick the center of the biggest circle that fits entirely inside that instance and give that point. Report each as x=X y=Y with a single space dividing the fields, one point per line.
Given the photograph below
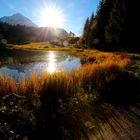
x=75 y=11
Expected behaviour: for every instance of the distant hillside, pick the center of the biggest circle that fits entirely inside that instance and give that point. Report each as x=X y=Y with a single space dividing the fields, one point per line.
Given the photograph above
x=19 y=34
x=17 y=19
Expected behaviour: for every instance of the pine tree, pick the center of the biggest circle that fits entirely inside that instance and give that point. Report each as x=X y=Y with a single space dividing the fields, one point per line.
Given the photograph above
x=90 y=31
x=115 y=30
x=86 y=30
x=91 y=19
x=102 y=17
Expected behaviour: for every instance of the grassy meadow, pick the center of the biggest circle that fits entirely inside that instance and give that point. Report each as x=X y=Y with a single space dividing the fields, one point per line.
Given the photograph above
x=41 y=46
x=68 y=105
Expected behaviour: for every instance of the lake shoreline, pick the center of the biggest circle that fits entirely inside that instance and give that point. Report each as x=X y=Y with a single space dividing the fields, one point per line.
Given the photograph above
x=40 y=46
x=22 y=63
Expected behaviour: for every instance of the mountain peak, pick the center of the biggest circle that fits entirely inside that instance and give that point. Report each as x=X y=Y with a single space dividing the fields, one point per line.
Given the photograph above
x=18 y=18
x=17 y=14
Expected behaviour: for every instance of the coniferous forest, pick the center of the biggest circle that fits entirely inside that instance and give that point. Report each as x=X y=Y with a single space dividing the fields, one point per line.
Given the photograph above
x=113 y=27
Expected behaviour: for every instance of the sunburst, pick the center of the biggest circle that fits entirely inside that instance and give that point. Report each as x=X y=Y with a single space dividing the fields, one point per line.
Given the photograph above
x=51 y=16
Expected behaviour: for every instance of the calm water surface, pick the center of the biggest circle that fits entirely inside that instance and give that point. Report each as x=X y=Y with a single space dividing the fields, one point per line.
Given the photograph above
x=19 y=64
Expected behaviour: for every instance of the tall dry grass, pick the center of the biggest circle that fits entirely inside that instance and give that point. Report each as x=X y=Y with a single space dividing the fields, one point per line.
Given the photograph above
x=7 y=85
x=93 y=56
x=62 y=105
x=64 y=84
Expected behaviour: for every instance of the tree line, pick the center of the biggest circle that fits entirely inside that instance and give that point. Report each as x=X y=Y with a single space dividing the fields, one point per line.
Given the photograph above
x=113 y=28
x=19 y=34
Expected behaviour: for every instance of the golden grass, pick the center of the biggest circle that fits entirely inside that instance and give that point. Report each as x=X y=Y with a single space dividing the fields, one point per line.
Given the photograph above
x=96 y=65
x=40 y=46
x=63 y=84
x=107 y=58
x=7 y=85
x=74 y=93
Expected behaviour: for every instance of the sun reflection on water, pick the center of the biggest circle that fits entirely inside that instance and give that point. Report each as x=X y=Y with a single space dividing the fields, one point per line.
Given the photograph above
x=51 y=63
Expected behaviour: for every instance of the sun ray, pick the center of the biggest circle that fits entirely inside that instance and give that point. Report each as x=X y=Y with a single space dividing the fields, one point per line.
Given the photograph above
x=51 y=16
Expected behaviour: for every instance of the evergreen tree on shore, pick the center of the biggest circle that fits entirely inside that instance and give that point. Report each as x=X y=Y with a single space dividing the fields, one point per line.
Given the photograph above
x=86 y=31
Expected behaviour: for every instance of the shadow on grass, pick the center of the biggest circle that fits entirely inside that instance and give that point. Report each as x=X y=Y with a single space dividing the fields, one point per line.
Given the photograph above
x=123 y=90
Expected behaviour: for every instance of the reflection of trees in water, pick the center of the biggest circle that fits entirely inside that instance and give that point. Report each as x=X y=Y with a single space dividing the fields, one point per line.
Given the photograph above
x=32 y=56
x=19 y=67
x=38 y=63
x=71 y=58
x=6 y=60
x=28 y=67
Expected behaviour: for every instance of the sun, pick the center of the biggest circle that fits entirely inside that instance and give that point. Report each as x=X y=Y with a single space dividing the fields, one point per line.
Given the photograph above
x=51 y=16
